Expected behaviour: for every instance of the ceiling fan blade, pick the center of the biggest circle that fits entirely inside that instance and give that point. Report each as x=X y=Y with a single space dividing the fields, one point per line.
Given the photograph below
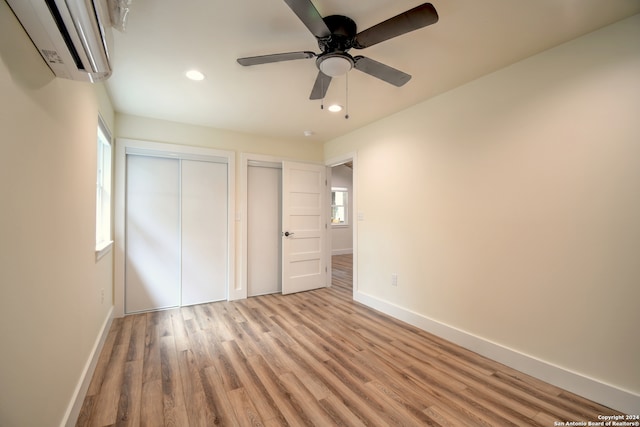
x=381 y=71
x=310 y=17
x=320 y=86
x=411 y=20
x=276 y=57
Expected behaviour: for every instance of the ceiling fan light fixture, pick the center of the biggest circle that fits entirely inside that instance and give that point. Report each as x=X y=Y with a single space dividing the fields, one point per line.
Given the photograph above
x=335 y=108
x=335 y=65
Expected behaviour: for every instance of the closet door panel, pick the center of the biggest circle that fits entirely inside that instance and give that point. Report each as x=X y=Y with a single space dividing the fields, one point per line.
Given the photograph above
x=152 y=264
x=264 y=218
x=204 y=232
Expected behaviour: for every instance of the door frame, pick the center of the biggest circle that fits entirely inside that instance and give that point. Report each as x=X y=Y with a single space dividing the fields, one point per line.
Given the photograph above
x=161 y=149
x=336 y=161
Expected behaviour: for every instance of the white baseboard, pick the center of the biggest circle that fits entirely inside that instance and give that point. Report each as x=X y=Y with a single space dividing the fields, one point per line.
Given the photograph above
x=346 y=251
x=605 y=394
x=73 y=411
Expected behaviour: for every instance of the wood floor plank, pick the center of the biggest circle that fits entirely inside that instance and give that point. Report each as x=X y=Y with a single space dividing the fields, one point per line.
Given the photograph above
x=180 y=335
x=173 y=403
x=449 y=417
x=151 y=405
x=452 y=396
x=297 y=366
x=106 y=406
x=395 y=379
x=313 y=358
x=245 y=412
x=312 y=408
x=404 y=412
x=290 y=407
x=152 y=368
x=130 y=395
x=221 y=360
x=518 y=416
x=198 y=410
x=137 y=339
x=217 y=398
x=336 y=385
x=253 y=387
x=339 y=413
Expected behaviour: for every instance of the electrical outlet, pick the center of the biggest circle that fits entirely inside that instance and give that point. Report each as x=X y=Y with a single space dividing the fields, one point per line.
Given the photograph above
x=394 y=279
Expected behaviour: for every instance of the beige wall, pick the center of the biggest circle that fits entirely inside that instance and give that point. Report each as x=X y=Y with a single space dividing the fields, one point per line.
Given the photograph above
x=50 y=283
x=510 y=207
x=146 y=129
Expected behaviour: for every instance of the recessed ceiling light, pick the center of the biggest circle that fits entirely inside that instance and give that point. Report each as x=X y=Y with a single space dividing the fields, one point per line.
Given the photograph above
x=308 y=132
x=335 y=108
x=194 y=75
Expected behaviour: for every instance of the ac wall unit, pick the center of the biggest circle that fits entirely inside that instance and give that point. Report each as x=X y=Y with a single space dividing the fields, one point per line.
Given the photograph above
x=73 y=36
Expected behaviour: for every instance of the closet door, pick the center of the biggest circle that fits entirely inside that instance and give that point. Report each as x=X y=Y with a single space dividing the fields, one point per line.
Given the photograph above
x=264 y=224
x=152 y=263
x=204 y=231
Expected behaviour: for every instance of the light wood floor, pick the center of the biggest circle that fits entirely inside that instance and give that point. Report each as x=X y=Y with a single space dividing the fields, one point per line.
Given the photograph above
x=314 y=358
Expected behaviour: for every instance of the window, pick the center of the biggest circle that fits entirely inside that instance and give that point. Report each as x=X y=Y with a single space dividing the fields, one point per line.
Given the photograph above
x=339 y=197
x=103 y=190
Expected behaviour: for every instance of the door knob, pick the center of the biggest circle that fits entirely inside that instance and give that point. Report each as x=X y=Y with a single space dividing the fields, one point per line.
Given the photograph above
x=287 y=234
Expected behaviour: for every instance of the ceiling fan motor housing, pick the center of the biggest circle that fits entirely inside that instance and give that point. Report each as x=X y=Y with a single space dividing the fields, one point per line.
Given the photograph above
x=343 y=32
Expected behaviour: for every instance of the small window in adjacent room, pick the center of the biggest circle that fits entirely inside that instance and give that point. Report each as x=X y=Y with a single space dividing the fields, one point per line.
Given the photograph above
x=103 y=190
x=339 y=197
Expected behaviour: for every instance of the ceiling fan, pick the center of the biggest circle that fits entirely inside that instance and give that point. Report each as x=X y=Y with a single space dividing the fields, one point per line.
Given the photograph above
x=336 y=34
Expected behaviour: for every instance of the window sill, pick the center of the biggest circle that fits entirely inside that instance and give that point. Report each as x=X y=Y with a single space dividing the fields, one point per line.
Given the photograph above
x=103 y=249
x=339 y=225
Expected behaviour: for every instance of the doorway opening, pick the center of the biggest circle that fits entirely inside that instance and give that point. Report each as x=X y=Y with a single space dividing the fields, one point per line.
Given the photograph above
x=342 y=224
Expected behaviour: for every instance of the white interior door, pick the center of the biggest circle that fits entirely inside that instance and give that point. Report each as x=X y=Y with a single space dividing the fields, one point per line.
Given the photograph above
x=204 y=231
x=264 y=223
x=304 y=227
x=152 y=264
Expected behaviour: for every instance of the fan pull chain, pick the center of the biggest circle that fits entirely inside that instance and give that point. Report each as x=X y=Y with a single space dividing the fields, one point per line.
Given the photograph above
x=346 y=116
x=322 y=91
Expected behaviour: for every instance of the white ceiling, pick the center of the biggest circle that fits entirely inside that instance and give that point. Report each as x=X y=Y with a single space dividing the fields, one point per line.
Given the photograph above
x=165 y=38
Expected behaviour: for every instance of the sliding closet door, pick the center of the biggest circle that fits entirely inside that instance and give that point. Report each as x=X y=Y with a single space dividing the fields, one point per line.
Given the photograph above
x=204 y=232
x=152 y=263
